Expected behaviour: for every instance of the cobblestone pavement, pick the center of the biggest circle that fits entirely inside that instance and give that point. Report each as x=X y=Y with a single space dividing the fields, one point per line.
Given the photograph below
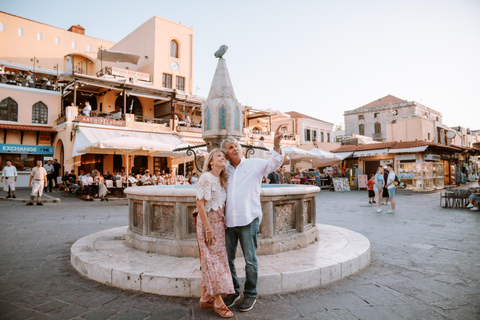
x=425 y=265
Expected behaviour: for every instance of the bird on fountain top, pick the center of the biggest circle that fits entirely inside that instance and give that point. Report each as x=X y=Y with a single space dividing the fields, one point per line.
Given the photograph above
x=220 y=52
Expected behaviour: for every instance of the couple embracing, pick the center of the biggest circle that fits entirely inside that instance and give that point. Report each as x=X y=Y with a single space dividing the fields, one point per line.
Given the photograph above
x=229 y=212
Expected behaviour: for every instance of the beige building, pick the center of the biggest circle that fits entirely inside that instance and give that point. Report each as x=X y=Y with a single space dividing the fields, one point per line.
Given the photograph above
x=372 y=119
x=51 y=74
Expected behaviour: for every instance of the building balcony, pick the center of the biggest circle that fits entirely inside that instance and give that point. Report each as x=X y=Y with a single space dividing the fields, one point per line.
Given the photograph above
x=378 y=136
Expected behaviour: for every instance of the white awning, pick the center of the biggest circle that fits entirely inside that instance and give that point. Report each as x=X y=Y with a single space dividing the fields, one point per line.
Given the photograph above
x=370 y=153
x=146 y=95
x=27 y=67
x=343 y=155
x=90 y=137
x=408 y=150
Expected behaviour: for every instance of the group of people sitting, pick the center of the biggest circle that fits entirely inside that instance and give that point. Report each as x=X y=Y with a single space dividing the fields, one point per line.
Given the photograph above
x=161 y=178
x=27 y=78
x=85 y=181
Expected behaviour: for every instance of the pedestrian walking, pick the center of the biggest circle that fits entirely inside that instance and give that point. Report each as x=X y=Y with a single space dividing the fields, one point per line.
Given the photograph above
x=385 y=190
x=39 y=177
x=56 y=172
x=50 y=169
x=378 y=188
x=391 y=187
x=371 y=193
x=10 y=174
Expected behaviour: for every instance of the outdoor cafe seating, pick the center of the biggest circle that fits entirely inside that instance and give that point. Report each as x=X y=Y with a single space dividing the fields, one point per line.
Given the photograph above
x=455 y=198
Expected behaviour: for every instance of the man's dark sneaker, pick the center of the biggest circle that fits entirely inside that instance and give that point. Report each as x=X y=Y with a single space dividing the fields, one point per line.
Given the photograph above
x=8 y=197
x=231 y=299
x=247 y=304
x=14 y=197
x=29 y=204
x=39 y=204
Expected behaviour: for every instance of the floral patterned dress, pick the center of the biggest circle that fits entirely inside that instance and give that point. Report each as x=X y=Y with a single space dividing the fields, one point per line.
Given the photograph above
x=216 y=276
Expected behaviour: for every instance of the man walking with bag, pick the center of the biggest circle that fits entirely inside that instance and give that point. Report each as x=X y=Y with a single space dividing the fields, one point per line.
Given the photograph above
x=39 y=177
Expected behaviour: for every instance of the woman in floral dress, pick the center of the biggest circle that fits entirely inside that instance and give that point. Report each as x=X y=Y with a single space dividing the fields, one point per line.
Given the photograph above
x=211 y=197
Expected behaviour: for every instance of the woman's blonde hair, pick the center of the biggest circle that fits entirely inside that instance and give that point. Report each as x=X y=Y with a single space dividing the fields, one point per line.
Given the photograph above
x=207 y=167
x=379 y=168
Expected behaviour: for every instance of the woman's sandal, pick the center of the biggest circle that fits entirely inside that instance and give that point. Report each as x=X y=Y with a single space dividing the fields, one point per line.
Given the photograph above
x=207 y=304
x=223 y=311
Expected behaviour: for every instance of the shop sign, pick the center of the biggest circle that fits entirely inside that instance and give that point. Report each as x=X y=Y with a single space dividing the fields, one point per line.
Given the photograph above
x=110 y=122
x=385 y=162
x=406 y=157
x=26 y=149
x=446 y=156
x=433 y=157
x=130 y=74
x=44 y=138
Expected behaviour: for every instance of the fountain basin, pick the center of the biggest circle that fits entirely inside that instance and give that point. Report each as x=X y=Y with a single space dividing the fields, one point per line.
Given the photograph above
x=160 y=219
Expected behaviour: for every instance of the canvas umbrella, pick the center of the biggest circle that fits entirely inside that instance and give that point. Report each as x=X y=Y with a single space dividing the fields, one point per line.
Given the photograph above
x=128 y=145
x=117 y=56
x=298 y=154
x=324 y=158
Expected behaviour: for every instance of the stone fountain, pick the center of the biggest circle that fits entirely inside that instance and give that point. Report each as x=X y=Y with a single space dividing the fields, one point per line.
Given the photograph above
x=157 y=252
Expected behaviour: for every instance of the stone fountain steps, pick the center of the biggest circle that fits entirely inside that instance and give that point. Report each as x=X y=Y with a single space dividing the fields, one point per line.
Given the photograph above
x=104 y=257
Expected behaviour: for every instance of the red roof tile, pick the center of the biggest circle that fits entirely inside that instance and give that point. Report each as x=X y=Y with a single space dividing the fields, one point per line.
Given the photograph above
x=295 y=114
x=385 y=101
x=394 y=145
x=26 y=128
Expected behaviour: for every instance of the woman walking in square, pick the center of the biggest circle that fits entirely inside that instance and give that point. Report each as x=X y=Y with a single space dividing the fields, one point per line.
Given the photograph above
x=378 y=188
x=211 y=197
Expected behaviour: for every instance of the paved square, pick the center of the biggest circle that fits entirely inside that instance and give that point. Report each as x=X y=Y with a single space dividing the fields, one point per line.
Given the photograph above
x=425 y=265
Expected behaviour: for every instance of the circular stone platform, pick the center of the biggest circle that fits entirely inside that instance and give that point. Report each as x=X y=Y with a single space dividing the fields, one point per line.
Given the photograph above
x=104 y=257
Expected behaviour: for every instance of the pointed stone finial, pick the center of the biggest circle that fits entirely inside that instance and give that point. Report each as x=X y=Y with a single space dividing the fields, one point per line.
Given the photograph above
x=221 y=85
x=220 y=52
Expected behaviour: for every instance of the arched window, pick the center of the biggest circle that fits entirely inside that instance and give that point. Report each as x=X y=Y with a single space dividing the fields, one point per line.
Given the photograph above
x=223 y=118
x=39 y=36
x=8 y=110
x=89 y=48
x=57 y=40
x=173 y=49
x=208 y=116
x=361 y=129
x=237 y=119
x=134 y=105
x=378 y=127
x=40 y=113
x=20 y=32
x=2 y=27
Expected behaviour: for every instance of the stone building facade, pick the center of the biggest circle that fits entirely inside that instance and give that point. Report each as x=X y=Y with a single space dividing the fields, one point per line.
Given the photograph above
x=371 y=120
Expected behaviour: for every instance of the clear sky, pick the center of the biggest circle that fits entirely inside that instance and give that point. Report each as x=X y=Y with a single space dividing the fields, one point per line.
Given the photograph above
x=316 y=57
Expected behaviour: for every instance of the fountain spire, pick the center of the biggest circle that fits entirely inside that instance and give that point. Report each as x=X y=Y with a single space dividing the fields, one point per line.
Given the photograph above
x=222 y=114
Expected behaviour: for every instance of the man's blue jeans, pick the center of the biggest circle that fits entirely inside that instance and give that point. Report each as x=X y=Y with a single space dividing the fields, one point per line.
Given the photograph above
x=247 y=236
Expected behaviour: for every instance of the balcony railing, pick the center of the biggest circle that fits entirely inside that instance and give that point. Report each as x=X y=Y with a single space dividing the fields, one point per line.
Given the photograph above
x=377 y=136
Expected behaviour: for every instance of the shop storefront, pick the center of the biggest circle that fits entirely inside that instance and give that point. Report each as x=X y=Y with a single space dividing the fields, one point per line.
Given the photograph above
x=24 y=158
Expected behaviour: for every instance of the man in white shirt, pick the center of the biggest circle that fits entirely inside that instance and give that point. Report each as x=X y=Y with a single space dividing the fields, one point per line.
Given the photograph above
x=39 y=177
x=147 y=178
x=87 y=109
x=10 y=174
x=391 y=187
x=243 y=213
x=87 y=181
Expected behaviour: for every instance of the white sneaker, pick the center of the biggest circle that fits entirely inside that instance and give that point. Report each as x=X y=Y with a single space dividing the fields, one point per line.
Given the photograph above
x=379 y=210
x=474 y=209
x=470 y=205
x=391 y=211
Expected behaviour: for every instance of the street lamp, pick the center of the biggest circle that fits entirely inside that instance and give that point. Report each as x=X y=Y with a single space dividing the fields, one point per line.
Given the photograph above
x=55 y=67
x=34 y=60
